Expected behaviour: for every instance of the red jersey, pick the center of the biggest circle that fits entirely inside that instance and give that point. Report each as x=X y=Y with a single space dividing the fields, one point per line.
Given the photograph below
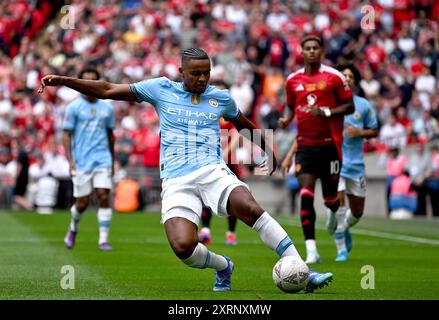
x=325 y=88
x=231 y=160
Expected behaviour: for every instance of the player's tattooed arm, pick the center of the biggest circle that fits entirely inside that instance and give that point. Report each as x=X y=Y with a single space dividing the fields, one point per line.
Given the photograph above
x=95 y=88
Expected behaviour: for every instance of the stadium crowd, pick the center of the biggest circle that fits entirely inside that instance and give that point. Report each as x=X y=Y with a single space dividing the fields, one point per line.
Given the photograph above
x=255 y=45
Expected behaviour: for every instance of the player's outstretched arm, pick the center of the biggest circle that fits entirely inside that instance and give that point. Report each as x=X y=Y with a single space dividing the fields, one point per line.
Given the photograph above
x=95 y=88
x=256 y=136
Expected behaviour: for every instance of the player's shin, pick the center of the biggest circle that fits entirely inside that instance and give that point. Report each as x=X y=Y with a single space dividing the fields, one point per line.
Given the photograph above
x=340 y=239
x=75 y=218
x=307 y=213
x=334 y=219
x=104 y=219
x=203 y=258
x=274 y=236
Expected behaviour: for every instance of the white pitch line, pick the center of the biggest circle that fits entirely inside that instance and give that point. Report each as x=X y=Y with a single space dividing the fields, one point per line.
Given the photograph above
x=385 y=235
x=394 y=236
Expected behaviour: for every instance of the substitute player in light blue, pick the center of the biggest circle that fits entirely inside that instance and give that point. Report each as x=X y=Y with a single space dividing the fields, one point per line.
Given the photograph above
x=191 y=165
x=89 y=143
x=360 y=125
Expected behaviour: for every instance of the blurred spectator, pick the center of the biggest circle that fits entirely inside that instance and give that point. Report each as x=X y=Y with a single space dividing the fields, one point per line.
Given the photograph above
x=243 y=94
x=403 y=119
x=36 y=171
x=433 y=180
x=123 y=147
x=6 y=113
x=395 y=163
x=418 y=166
x=425 y=127
x=59 y=169
x=425 y=85
x=369 y=85
x=46 y=195
x=269 y=113
x=403 y=197
x=415 y=108
x=393 y=134
x=21 y=181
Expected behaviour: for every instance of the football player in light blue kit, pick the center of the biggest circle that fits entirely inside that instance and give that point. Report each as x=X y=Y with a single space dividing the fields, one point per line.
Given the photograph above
x=360 y=125
x=191 y=164
x=89 y=144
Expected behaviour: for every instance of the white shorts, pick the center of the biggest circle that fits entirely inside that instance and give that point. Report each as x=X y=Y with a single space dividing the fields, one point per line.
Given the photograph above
x=85 y=182
x=356 y=187
x=209 y=186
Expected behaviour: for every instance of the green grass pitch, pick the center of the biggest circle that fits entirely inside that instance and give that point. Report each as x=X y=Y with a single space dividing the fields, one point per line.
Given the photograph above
x=403 y=254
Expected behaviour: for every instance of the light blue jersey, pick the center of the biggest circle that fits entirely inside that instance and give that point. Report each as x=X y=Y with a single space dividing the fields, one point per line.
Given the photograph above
x=353 y=159
x=89 y=123
x=189 y=128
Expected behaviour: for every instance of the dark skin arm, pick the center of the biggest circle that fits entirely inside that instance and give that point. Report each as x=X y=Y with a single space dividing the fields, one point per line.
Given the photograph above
x=67 y=143
x=256 y=136
x=111 y=141
x=94 y=88
x=288 y=117
x=361 y=133
x=346 y=107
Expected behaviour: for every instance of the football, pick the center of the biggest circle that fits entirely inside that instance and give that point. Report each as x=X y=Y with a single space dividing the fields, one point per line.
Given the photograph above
x=290 y=274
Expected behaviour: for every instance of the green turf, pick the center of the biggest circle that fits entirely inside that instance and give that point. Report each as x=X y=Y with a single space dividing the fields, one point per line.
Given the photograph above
x=142 y=265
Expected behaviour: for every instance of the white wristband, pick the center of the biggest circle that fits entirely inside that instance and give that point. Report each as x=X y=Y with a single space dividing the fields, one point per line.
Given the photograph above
x=327 y=111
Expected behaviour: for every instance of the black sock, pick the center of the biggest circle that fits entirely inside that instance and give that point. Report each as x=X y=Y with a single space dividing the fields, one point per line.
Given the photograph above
x=308 y=216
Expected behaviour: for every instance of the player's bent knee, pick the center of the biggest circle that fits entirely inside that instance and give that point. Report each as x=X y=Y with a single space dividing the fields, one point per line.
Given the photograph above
x=251 y=213
x=331 y=201
x=82 y=204
x=183 y=249
x=103 y=198
x=357 y=214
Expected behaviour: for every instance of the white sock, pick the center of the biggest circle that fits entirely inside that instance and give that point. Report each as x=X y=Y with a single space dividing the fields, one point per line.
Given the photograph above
x=104 y=218
x=311 y=246
x=339 y=238
x=350 y=220
x=341 y=216
x=75 y=218
x=203 y=258
x=274 y=236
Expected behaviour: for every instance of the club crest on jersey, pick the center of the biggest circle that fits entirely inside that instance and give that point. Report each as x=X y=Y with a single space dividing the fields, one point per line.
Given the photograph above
x=213 y=102
x=195 y=99
x=357 y=115
x=93 y=112
x=311 y=99
x=321 y=85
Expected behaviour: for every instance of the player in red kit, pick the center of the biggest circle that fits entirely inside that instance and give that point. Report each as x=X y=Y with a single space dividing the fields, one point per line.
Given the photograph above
x=319 y=97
